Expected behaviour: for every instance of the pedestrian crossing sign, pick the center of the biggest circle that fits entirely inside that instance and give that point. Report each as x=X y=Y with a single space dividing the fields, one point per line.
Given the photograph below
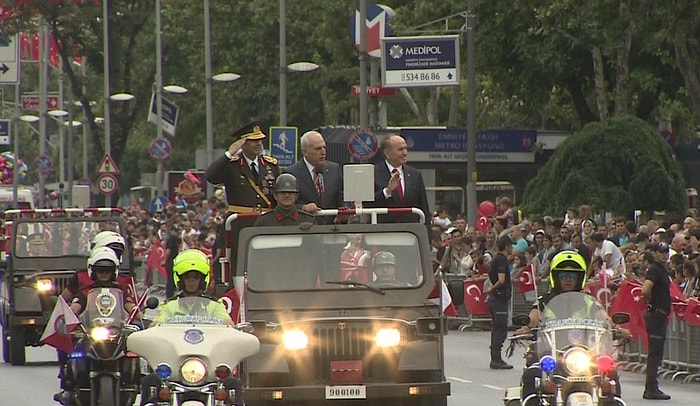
x=108 y=166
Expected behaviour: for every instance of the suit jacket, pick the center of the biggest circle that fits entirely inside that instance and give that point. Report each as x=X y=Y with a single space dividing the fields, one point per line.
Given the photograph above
x=235 y=174
x=332 y=184
x=414 y=194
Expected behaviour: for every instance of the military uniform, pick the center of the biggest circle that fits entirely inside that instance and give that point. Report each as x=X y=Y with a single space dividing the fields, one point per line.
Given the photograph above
x=284 y=217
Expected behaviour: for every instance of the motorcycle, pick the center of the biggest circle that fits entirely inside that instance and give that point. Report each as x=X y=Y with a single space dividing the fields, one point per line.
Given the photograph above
x=193 y=357
x=100 y=370
x=574 y=351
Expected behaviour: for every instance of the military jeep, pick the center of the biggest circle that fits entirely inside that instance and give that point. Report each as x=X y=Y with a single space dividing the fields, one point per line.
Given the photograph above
x=330 y=332
x=41 y=251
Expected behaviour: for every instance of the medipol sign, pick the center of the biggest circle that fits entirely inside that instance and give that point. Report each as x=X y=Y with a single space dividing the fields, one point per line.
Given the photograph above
x=450 y=145
x=420 y=61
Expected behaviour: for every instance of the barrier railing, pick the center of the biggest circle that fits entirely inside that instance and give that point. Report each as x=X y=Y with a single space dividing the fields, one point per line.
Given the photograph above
x=145 y=277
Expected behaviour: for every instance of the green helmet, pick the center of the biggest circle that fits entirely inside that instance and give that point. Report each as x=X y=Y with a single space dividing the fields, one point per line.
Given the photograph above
x=567 y=261
x=286 y=182
x=384 y=257
x=191 y=260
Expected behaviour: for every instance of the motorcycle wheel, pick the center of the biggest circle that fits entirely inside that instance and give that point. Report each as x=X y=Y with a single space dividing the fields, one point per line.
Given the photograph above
x=16 y=347
x=105 y=391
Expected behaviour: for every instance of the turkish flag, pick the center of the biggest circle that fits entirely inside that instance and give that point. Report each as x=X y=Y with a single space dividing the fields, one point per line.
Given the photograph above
x=482 y=224
x=156 y=258
x=526 y=279
x=448 y=308
x=475 y=298
x=61 y=323
x=232 y=304
x=629 y=300
x=692 y=312
x=597 y=288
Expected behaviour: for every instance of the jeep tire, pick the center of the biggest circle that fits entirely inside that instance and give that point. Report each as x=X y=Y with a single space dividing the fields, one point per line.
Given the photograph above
x=16 y=346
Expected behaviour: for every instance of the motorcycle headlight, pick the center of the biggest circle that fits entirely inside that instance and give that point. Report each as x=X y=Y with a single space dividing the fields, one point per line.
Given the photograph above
x=388 y=337
x=193 y=371
x=99 y=333
x=44 y=285
x=295 y=340
x=577 y=361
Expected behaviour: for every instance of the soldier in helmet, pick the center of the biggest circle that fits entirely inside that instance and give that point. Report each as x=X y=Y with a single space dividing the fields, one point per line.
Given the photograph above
x=385 y=270
x=286 y=212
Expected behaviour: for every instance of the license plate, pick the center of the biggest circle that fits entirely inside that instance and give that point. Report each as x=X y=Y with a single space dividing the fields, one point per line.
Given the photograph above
x=346 y=392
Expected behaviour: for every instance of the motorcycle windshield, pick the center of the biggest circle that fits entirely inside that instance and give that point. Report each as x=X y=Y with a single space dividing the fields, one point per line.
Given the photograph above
x=105 y=307
x=574 y=319
x=191 y=310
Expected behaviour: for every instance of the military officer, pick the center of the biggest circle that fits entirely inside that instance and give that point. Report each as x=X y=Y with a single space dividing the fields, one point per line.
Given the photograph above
x=286 y=212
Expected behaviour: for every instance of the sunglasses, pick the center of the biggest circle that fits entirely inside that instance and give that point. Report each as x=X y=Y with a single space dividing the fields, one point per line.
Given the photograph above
x=568 y=276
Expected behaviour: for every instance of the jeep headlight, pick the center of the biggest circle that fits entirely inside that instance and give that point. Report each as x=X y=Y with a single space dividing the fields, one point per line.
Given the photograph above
x=388 y=337
x=193 y=371
x=577 y=361
x=44 y=285
x=295 y=340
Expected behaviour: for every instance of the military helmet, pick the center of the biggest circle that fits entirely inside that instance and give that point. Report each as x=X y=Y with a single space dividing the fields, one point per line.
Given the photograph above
x=568 y=261
x=286 y=182
x=191 y=260
x=384 y=257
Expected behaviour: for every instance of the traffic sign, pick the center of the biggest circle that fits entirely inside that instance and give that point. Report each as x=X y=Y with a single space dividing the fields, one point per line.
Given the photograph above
x=107 y=184
x=9 y=60
x=31 y=102
x=374 y=91
x=158 y=204
x=160 y=148
x=5 y=132
x=108 y=166
x=283 y=145
x=376 y=25
x=669 y=138
x=170 y=114
x=420 y=61
x=363 y=145
x=43 y=164
x=85 y=181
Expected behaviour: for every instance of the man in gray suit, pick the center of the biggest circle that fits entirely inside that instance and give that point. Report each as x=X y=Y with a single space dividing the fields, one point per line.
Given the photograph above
x=320 y=181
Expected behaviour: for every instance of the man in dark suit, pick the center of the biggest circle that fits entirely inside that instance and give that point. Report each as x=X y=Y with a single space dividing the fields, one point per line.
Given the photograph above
x=320 y=181
x=397 y=184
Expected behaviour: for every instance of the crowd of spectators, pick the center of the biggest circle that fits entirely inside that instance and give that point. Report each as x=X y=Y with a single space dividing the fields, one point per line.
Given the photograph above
x=616 y=245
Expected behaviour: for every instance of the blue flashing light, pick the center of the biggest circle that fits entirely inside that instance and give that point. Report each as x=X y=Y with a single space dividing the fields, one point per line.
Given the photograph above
x=163 y=371
x=548 y=363
x=77 y=354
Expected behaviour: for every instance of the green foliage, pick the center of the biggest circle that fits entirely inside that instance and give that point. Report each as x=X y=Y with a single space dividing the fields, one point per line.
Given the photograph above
x=618 y=165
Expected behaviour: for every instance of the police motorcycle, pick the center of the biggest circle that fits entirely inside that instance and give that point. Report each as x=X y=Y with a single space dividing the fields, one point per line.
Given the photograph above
x=100 y=371
x=574 y=350
x=194 y=357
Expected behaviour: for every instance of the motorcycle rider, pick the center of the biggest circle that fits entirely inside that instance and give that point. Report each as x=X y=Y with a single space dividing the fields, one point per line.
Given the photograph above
x=567 y=274
x=191 y=273
x=102 y=270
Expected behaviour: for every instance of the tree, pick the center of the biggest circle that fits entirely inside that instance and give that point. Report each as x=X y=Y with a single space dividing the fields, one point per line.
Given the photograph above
x=617 y=165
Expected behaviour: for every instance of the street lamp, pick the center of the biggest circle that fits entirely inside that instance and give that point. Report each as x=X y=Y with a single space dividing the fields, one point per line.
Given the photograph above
x=58 y=115
x=298 y=67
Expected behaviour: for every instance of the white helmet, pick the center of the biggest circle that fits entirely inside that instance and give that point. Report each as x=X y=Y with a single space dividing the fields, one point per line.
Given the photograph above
x=102 y=257
x=111 y=239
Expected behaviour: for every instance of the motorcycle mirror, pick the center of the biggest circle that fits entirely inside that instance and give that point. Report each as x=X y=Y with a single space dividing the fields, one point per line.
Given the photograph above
x=521 y=320
x=621 y=318
x=152 y=302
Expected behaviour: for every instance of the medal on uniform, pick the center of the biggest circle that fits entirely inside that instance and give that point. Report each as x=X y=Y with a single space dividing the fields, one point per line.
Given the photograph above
x=266 y=190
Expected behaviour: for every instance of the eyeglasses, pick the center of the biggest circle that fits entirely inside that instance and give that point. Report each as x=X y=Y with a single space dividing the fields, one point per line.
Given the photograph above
x=568 y=276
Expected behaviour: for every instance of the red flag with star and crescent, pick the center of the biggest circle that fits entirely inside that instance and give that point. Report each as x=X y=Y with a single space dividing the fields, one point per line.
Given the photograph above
x=629 y=300
x=692 y=312
x=526 y=279
x=448 y=308
x=61 y=323
x=156 y=258
x=475 y=298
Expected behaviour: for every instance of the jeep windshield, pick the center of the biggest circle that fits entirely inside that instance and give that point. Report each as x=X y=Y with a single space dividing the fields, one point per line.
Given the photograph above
x=337 y=260
x=58 y=237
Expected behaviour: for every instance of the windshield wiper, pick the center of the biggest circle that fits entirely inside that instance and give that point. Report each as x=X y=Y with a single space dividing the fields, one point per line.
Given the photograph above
x=353 y=283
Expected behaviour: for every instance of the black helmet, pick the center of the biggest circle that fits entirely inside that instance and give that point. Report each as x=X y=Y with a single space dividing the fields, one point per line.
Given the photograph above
x=286 y=182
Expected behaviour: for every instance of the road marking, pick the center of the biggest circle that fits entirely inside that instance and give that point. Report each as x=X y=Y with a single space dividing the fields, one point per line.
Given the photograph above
x=452 y=378
x=493 y=387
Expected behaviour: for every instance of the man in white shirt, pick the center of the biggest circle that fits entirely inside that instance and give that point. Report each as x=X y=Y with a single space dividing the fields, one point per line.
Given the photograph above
x=607 y=251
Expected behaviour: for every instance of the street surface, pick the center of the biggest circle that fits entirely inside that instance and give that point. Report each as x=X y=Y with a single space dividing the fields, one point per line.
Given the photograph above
x=473 y=383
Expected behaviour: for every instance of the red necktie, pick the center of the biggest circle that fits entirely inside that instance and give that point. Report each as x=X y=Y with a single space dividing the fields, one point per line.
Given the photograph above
x=399 y=189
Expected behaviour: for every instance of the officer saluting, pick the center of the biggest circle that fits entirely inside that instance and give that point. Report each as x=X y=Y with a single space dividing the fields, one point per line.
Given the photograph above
x=249 y=178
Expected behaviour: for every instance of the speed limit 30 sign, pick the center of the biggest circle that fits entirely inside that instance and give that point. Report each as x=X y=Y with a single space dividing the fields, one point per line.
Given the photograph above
x=107 y=184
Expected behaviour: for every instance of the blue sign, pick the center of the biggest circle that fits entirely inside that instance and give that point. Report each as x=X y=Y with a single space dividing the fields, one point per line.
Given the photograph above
x=283 y=145
x=450 y=145
x=363 y=145
x=5 y=132
x=376 y=25
x=43 y=164
x=158 y=204
x=420 y=61
x=160 y=148
x=170 y=114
